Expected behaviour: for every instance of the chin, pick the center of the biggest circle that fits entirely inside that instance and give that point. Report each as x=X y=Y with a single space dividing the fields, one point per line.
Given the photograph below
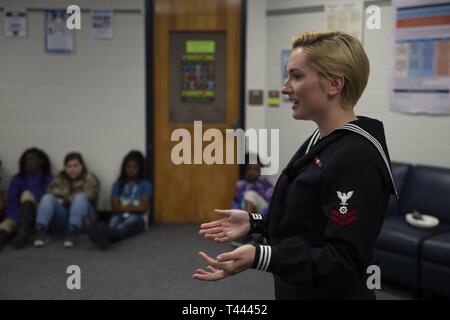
x=298 y=115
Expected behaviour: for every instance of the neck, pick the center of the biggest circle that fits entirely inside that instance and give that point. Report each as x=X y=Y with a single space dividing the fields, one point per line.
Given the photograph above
x=335 y=119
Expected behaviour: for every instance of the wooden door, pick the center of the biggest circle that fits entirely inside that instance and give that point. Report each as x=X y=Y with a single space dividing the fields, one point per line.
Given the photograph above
x=188 y=193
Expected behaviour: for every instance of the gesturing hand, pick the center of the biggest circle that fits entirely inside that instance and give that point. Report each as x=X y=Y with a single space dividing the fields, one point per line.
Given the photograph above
x=226 y=264
x=234 y=225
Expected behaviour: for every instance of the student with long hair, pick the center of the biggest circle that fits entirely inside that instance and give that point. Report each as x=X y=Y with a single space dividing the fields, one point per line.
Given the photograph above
x=24 y=193
x=130 y=203
x=72 y=196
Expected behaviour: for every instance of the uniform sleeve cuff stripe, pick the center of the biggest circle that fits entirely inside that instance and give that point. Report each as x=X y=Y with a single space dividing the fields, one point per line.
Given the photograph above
x=257 y=216
x=261 y=253
x=264 y=258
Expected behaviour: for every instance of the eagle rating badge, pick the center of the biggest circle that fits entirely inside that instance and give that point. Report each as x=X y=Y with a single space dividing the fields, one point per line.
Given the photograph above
x=343 y=216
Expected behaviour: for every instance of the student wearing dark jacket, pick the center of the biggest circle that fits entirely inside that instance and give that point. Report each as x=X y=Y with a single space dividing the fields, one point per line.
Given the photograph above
x=24 y=193
x=329 y=202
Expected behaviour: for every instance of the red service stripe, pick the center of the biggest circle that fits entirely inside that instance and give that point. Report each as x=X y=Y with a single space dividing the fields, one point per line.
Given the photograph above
x=344 y=223
x=344 y=216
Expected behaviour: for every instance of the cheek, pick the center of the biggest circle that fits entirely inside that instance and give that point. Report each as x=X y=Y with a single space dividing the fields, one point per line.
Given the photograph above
x=315 y=94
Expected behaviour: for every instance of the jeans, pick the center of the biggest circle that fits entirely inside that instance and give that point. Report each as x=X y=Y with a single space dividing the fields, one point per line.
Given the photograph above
x=122 y=226
x=50 y=210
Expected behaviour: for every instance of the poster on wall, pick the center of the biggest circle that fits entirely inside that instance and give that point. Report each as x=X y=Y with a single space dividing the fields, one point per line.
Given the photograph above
x=198 y=83
x=58 y=39
x=345 y=17
x=421 y=71
x=15 y=23
x=102 y=23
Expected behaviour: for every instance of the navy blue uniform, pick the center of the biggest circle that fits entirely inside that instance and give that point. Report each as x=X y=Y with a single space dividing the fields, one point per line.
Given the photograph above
x=326 y=212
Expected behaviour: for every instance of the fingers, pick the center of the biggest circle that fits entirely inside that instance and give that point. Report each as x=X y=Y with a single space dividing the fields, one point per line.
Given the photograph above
x=200 y=271
x=224 y=213
x=214 y=263
x=216 y=236
x=216 y=223
x=228 y=256
x=221 y=239
x=211 y=230
x=218 y=270
x=208 y=259
x=212 y=269
x=209 y=225
x=210 y=276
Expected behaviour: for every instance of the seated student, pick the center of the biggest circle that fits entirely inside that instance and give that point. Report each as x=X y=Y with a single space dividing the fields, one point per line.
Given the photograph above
x=24 y=192
x=72 y=197
x=130 y=202
x=253 y=194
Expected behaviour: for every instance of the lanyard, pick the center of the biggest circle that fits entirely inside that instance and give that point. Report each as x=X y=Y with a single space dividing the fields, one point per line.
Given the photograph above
x=133 y=191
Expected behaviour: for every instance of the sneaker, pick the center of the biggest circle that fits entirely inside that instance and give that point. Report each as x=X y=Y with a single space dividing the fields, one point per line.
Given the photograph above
x=103 y=240
x=41 y=237
x=69 y=239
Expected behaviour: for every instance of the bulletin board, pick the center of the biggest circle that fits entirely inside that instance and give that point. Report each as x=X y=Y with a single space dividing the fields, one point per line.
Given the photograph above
x=197 y=77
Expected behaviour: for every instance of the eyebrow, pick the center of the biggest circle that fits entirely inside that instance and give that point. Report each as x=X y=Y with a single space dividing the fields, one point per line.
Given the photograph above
x=295 y=69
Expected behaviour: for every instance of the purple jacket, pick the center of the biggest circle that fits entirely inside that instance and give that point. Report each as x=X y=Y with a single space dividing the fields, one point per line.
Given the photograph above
x=35 y=182
x=262 y=186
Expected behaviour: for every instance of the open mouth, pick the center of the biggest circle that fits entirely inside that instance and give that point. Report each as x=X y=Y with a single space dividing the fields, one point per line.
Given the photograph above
x=295 y=102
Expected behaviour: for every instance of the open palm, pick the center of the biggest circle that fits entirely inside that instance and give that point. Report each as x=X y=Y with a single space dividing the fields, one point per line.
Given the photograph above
x=233 y=225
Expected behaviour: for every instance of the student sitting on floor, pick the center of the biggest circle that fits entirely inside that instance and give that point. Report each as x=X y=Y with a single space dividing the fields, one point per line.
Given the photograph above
x=253 y=193
x=72 y=196
x=130 y=202
x=24 y=192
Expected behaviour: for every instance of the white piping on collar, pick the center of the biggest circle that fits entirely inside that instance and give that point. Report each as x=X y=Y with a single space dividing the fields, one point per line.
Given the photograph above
x=368 y=136
x=315 y=136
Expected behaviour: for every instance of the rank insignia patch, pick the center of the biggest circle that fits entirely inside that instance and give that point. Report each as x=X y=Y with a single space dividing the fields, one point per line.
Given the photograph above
x=343 y=216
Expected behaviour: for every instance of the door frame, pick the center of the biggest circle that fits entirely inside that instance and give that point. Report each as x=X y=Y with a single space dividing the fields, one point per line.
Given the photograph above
x=149 y=92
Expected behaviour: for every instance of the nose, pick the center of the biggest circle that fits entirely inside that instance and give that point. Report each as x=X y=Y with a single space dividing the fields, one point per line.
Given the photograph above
x=285 y=88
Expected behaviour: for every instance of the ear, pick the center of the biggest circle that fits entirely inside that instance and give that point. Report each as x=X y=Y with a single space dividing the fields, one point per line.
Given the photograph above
x=335 y=85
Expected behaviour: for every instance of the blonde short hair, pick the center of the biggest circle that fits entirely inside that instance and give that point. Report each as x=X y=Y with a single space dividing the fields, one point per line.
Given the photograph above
x=332 y=54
